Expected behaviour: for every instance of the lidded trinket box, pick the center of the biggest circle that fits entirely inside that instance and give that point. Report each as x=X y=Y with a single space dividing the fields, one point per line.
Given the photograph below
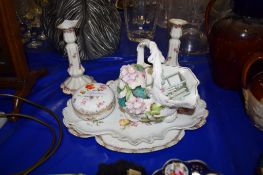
x=94 y=101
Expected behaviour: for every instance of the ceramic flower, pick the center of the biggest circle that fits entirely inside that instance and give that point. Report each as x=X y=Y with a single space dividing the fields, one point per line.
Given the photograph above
x=82 y=92
x=178 y=172
x=132 y=76
x=102 y=87
x=124 y=122
x=135 y=105
x=134 y=97
x=90 y=86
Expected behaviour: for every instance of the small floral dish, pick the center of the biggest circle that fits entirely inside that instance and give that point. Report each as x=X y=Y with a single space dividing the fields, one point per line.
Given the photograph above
x=94 y=101
x=191 y=167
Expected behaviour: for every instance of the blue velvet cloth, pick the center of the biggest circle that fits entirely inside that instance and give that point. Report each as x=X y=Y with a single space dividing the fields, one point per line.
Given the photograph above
x=228 y=142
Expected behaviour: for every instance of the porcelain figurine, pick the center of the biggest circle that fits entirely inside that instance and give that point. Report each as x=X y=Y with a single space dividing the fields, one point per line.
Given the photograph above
x=152 y=93
x=174 y=42
x=75 y=70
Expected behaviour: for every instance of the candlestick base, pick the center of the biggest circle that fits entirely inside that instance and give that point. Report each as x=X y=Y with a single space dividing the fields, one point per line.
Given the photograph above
x=71 y=84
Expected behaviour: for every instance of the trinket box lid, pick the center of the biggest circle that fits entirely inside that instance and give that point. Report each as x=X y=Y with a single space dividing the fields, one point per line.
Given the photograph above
x=93 y=101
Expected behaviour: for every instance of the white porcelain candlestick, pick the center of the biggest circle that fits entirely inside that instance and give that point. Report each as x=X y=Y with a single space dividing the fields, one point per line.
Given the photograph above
x=75 y=70
x=174 y=42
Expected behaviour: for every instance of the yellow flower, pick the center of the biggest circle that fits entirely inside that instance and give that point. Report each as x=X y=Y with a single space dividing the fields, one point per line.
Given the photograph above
x=124 y=122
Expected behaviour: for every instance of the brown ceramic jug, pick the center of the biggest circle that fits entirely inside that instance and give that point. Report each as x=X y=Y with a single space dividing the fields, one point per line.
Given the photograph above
x=232 y=41
x=252 y=84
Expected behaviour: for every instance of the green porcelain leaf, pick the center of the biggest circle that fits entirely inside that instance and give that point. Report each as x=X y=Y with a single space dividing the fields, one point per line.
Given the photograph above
x=118 y=90
x=159 y=119
x=156 y=109
x=128 y=95
x=139 y=67
x=145 y=120
x=122 y=101
x=140 y=92
x=128 y=92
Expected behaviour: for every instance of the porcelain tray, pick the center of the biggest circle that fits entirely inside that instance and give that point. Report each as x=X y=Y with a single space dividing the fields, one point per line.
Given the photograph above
x=110 y=132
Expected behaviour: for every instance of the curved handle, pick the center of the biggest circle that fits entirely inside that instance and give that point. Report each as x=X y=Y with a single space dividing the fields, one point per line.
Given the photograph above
x=207 y=15
x=155 y=52
x=255 y=57
x=140 y=51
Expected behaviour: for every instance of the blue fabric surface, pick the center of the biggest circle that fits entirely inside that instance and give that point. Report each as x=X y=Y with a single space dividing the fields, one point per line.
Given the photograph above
x=228 y=142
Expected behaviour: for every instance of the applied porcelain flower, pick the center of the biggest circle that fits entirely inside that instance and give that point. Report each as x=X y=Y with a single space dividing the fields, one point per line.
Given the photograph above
x=132 y=76
x=135 y=105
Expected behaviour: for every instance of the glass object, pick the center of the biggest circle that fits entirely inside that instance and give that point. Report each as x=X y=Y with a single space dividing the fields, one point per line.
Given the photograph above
x=28 y=14
x=219 y=10
x=178 y=9
x=162 y=19
x=40 y=5
x=35 y=11
x=23 y=17
x=233 y=39
x=193 y=40
x=140 y=18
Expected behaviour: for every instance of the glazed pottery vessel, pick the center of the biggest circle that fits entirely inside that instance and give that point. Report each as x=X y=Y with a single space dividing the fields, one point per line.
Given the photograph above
x=252 y=84
x=233 y=39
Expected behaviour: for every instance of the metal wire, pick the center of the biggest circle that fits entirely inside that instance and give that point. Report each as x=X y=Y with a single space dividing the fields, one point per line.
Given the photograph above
x=54 y=146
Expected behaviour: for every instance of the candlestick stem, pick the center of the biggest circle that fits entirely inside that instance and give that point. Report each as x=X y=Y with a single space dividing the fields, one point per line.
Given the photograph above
x=76 y=71
x=174 y=42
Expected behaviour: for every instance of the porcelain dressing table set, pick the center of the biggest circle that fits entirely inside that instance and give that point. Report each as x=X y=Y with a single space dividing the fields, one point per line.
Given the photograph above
x=147 y=108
